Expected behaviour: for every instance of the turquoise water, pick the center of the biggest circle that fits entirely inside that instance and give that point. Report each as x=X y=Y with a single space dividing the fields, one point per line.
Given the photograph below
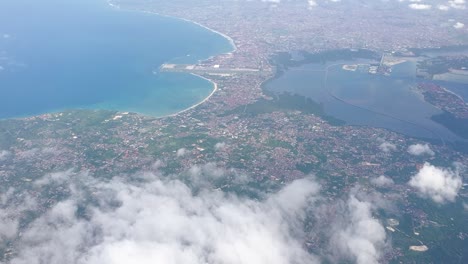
x=57 y=55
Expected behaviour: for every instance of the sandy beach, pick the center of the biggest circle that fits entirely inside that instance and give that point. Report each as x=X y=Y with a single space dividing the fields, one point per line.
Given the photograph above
x=215 y=88
x=421 y=248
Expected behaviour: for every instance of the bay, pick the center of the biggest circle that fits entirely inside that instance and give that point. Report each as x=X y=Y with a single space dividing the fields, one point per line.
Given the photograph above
x=68 y=54
x=364 y=99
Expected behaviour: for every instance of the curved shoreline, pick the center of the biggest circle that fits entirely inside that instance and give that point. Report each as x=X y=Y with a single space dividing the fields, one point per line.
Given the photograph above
x=215 y=85
x=215 y=88
x=231 y=41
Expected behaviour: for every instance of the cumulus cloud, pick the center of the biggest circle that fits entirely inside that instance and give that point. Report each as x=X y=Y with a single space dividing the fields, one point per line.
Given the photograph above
x=459 y=25
x=220 y=146
x=159 y=219
x=311 y=3
x=8 y=224
x=4 y=154
x=439 y=184
x=12 y=205
x=150 y=217
x=443 y=7
x=382 y=181
x=387 y=147
x=457 y=4
x=205 y=174
x=420 y=149
x=55 y=178
x=358 y=235
x=181 y=152
x=420 y=6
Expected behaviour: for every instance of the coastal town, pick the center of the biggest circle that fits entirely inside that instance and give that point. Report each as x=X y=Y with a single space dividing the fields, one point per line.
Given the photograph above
x=243 y=131
x=444 y=99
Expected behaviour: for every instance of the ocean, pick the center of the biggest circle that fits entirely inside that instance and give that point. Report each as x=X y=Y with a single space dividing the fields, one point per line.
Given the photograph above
x=57 y=55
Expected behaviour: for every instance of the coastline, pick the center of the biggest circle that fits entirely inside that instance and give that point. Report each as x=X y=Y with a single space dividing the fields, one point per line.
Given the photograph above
x=215 y=85
x=231 y=41
x=215 y=88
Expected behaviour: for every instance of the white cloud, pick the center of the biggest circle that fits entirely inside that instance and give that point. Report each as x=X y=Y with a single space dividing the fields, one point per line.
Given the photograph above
x=157 y=165
x=206 y=174
x=382 y=181
x=443 y=7
x=358 y=234
x=12 y=205
x=420 y=6
x=420 y=149
x=8 y=227
x=387 y=147
x=153 y=218
x=220 y=146
x=459 y=25
x=457 y=4
x=4 y=154
x=161 y=220
x=311 y=3
x=181 y=152
x=55 y=178
x=439 y=184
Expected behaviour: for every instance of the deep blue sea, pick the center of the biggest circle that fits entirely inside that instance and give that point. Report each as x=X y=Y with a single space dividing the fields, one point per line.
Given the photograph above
x=67 y=54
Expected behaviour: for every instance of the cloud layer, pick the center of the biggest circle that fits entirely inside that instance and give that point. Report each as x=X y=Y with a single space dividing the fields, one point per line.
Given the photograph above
x=160 y=220
x=155 y=218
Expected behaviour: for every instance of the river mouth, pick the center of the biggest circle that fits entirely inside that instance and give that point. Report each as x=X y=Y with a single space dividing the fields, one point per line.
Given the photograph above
x=89 y=55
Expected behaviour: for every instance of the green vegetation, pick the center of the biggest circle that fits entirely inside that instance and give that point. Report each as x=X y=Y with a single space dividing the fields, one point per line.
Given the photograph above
x=287 y=102
x=283 y=60
x=458 y=126
x=441 y=65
